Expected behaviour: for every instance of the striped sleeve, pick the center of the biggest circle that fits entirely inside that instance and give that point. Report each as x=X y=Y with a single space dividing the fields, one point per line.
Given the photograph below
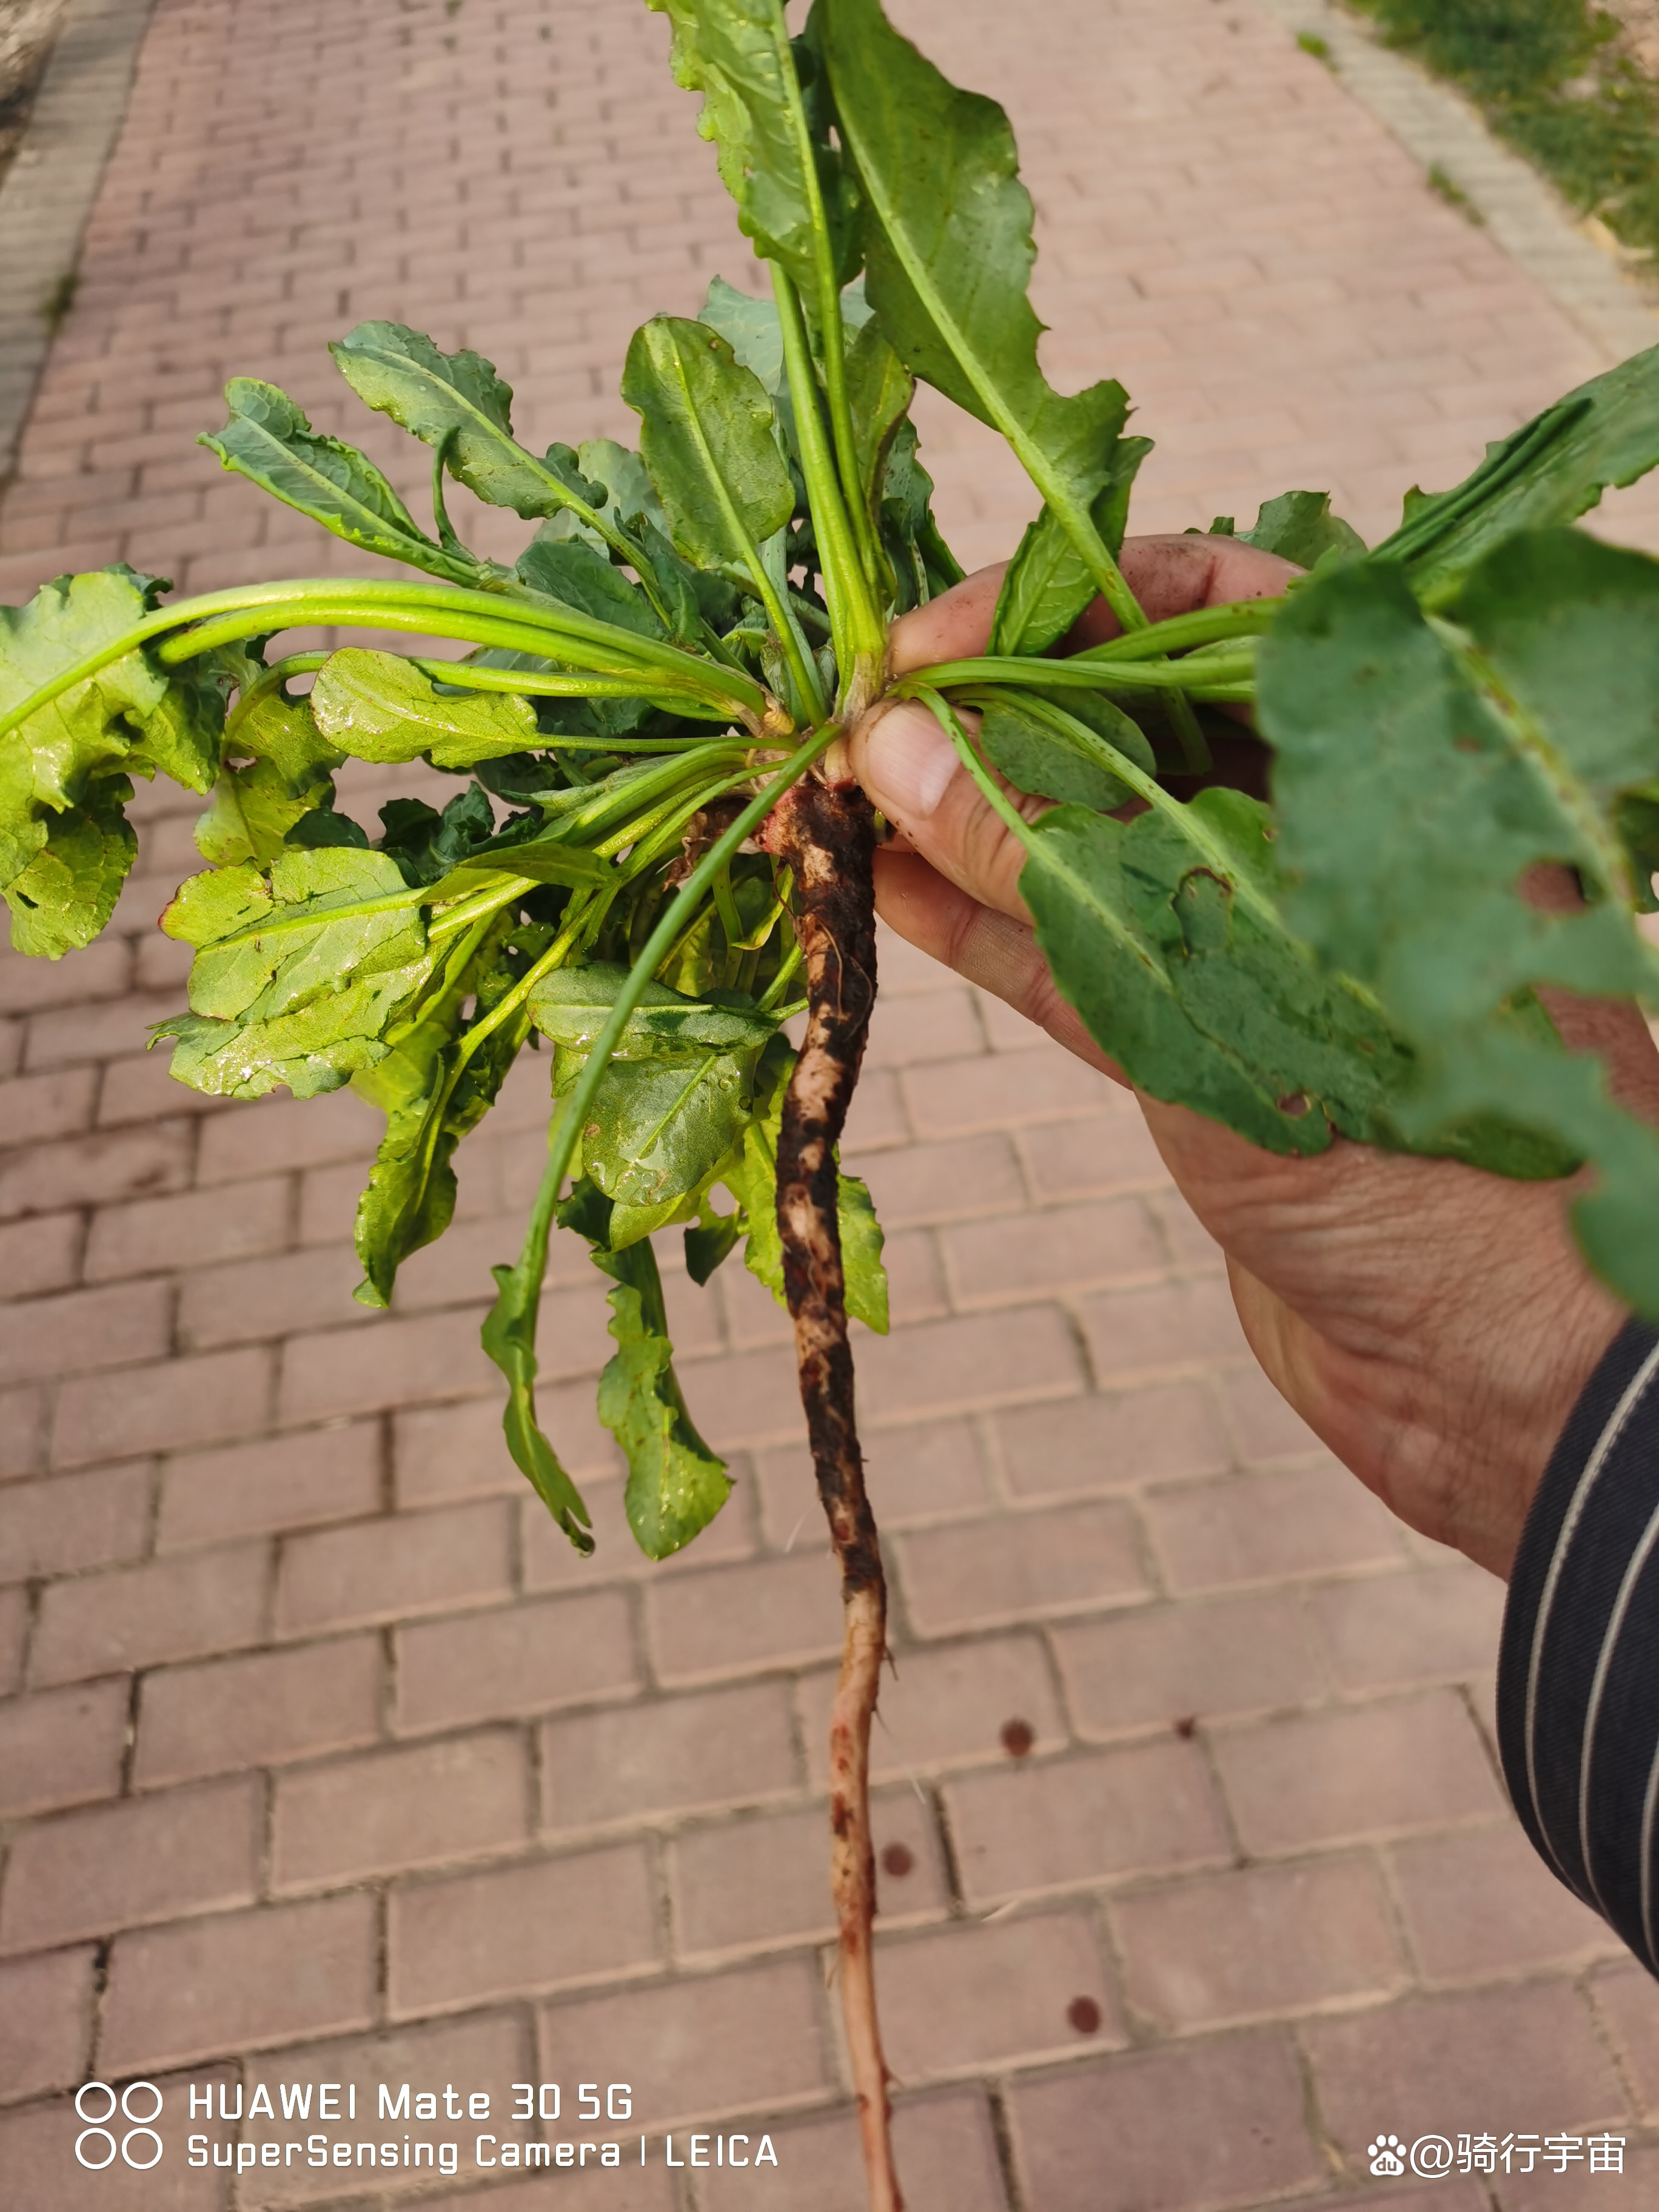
x=1578 y=1669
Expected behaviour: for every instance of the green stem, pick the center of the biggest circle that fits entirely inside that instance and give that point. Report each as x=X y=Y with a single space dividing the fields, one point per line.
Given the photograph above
x=861 y=641
x=1205 y=626
x=1224 y=680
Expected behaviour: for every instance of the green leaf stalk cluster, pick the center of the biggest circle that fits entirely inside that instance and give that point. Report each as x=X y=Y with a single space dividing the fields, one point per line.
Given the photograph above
x=688 y=628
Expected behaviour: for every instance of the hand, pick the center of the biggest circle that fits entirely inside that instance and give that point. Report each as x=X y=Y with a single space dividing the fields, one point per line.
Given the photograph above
x=1433 y=1324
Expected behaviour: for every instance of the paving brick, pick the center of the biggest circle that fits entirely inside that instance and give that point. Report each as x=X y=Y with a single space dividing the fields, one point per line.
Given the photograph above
x=445 y=1452
x=239 y=1980
x=96 y=1170
x=46 y=2021
x=1135 y=1335
x=275 y=1483
x=39 y=1256
x=936 y=1025
x=1483 y=1903
x=1009 y=1567
x=1092 y=1156
x=36 y=2156
x=62 y=1748
x=631 y=2188
x=285 y=1133
x=735 y=1621
x=1392 y=1632
x=247 y=1300
x=1264 y=1527
x=81 y=1330
x=1120 y=2136
x=72 y=1521
x=944 y=1707
x=954 y=1181
x=953 y=1098
x=1061 y=1250
x=152 y=1858
x=700 y=2049
x=486 y=2053
x=521 y=1659
x=980 y=1359
x=1154 y=1666
x=167 y=1407
x=1034 y=1826
x=538 y=1926
x=459 y=1798
x=143 y=1616
x=550 y=1561
x=262 y=1709
x=375 y=1364
x=1625 y=2002
x=1227 y=1947
x=1325 y=1777
x=673 y=1755
x=100 y=971
x=13 y=1629
x=764 y=1880
x=1113 y=1442
x=1525 y=2057
x=999 y=1996
x=407 y=1562
x=52 y=1105
x=914 y=1475
x=944 y=2147
x=62 y=1035
x=1264 y=1425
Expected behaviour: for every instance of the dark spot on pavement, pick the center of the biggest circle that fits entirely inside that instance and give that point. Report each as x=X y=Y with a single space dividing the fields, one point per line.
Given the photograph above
x=897 y=1860
x=1084 y=2015
x=1017 y=1737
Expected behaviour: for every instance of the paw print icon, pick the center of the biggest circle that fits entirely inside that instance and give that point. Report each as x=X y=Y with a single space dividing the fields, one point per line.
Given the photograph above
x=1387 y=2154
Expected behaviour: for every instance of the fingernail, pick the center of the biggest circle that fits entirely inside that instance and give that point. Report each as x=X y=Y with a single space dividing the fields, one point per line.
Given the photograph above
x=908 y=763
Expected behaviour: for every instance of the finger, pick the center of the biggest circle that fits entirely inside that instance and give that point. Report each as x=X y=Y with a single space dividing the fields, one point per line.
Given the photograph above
x=956 y=626
x=1174 y=576
x=910 y=769
x=983 y=946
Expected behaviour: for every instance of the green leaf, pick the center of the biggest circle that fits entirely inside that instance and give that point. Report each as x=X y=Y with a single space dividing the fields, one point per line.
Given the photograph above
x=788 y=189
x=676 y=1485
x=1299 y=526
x=320 y=924
x=378 y=706
x=752 y=330
x=1052 y=758
x=679 y=1090
x=509 y=1337
x=948 y=251
x=752 y=1179
x=879 y=390
x=432 y=1092
x=269 y=440
x=455 y=401
x=708 y=439
x=566 y=569
x=1417 y=782
x=1049 y=584
x=1551 y=471
x=254 y=808
x=90 y=728
x=68 y=891
x=283 y=731
x=712 y=1242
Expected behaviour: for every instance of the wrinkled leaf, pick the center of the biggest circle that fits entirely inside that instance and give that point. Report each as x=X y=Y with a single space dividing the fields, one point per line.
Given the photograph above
x=254 y=809
x=738 y=54
x=948 y=252
x=706 y=438
x=431 y=1097
x=456 y=401
x=1417 y=785
x=269 y=440
x=676 y=1485
x=92 y=726
x=509 y=1337
x=567 y=570
x=1551 y=471
x=378 y=706
x=68 y=891
x=674 y=1099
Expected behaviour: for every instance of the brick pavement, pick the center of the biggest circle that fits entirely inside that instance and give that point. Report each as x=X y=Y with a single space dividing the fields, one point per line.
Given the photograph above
x=320 y=1757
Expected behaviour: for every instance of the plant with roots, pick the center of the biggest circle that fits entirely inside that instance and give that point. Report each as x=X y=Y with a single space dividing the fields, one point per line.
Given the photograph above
x=656 y=858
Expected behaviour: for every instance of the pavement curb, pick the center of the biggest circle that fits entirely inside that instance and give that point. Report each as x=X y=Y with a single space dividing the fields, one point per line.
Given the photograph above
x=49 y=190
x=1523 y=211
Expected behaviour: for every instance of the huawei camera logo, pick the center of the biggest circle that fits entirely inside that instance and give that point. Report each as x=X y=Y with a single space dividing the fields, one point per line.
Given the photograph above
x=97 y=2145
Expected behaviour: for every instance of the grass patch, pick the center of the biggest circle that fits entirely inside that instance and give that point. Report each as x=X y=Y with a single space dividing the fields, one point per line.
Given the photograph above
x=1548 y=75
x=1311 y=43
